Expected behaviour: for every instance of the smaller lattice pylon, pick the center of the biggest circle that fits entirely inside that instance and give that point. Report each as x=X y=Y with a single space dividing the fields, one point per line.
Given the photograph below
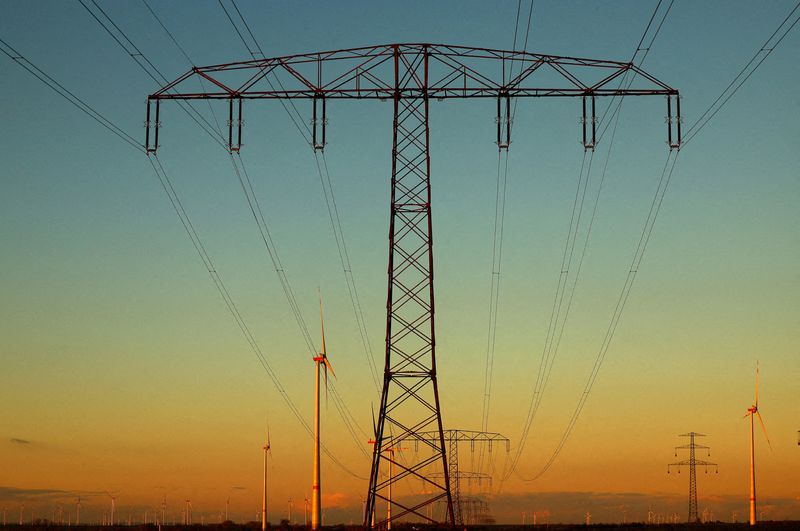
x=692 y=463
x=453 y=438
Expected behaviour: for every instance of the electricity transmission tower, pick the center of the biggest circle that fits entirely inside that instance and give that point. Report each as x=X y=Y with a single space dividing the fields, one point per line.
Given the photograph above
x=453 y=438
x=411 y=76
x=692 y=463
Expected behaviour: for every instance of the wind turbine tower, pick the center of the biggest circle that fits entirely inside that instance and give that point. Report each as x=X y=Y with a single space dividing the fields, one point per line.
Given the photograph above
x=752 y=411
x=113 y=507
x=78 y=511
x=267 y=450
x=321 y=363
x=692 y=463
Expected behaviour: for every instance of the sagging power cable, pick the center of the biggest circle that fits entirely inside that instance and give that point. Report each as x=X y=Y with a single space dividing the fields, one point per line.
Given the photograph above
x=770 y=44
x=744 y=74
x=497 y=246
x=147 y=66
x=188 y=226
x=328 y=193
x=553 y=338
x=246 y=184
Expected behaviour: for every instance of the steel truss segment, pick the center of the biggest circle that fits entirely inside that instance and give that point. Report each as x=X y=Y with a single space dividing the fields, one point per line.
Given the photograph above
x=368 y=73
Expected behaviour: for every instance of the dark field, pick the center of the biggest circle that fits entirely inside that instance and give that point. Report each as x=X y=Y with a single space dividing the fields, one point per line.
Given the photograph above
x=255 y=526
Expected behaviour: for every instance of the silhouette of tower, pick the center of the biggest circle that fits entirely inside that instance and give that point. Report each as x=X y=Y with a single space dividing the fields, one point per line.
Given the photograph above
x=692 y=463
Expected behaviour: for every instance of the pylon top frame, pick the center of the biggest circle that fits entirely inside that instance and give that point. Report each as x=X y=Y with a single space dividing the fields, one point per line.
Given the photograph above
x=367 y=73
x=453 y=72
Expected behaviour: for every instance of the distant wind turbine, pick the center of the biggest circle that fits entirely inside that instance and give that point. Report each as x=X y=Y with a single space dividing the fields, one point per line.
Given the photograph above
x=113 y=506
x=267 y=450
x=751 y=412
x=321 y=362
x=78 y=511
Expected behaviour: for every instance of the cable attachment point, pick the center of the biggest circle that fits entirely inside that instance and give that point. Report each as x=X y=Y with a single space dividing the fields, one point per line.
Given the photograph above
x=235 y=126
x=318 y=140
x=503 y=120
x=589 y=141
x=674 y=122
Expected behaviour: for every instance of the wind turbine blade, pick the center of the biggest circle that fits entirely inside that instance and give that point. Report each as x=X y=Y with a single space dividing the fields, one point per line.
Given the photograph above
x=756 y=404
x=764 y=428
x=322 y=324
x=330 y=368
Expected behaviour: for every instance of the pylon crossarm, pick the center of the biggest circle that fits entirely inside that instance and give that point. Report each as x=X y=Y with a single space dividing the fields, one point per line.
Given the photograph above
x=705 y=463
x=456 y=71
x=467 y=435
x=685 y=462
x=395 y=71
x=469 y=476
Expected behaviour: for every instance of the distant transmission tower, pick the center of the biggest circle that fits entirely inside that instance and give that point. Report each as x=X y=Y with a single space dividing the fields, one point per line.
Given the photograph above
x=452 y=438
x=692 y=463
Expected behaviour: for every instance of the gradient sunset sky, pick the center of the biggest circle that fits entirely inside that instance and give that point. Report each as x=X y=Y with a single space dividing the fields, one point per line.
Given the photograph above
x=121 y=369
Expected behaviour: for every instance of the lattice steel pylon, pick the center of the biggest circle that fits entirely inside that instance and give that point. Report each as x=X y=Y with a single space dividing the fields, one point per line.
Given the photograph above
x=411 y=76
x=692 y=463
x=453 y=438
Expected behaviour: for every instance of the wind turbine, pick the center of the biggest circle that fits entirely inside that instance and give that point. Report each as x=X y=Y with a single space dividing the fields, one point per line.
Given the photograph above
x=78 y=511
x=113 y=506
x=391 y=450
x=267 y=450
x=321 y=362
x=752 y=411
